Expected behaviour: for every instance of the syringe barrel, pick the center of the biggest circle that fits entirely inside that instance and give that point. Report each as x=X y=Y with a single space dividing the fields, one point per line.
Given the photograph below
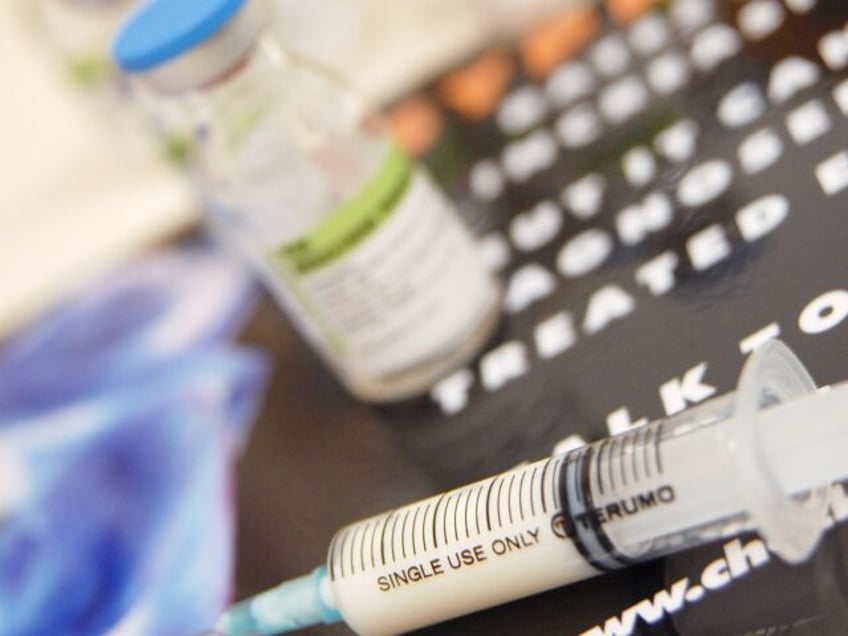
x=537 y=527
x=654 y=490
x=478 y=546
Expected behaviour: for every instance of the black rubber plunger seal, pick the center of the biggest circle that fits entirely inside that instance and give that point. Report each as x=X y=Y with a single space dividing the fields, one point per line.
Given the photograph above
x=580 y=525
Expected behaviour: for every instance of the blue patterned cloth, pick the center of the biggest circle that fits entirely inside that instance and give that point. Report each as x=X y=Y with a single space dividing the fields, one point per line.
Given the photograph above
x=120 y=418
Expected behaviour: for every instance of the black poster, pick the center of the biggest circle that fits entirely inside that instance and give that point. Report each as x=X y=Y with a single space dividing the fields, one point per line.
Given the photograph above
x=661 y=203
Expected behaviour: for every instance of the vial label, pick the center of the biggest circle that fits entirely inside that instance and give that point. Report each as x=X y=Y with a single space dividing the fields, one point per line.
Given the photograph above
x=391 y=277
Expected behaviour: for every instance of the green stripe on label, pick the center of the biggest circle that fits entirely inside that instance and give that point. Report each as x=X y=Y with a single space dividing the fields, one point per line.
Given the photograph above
x=353 y=221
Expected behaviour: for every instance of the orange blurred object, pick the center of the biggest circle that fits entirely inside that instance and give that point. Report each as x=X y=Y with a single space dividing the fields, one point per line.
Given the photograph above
x=624 y=11
x=416 y=124
x=555 y=40
x=475 y=90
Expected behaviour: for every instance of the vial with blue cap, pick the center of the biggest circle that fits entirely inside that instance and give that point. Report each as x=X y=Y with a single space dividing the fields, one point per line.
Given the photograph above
x=366 y=254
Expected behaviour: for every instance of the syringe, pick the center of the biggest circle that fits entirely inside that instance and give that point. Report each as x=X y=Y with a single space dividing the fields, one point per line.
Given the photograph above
x=760 y=458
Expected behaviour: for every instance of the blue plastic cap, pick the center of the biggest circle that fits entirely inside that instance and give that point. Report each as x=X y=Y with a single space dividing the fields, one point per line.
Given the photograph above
x=162 y=30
